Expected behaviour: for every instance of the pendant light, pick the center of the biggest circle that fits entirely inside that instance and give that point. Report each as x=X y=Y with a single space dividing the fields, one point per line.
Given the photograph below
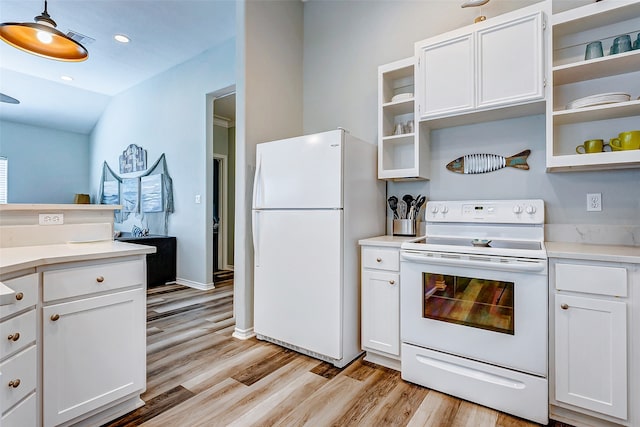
x=43 y=39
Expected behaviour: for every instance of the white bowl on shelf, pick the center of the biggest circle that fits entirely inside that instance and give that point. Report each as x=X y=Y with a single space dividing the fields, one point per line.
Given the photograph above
x=401 y=97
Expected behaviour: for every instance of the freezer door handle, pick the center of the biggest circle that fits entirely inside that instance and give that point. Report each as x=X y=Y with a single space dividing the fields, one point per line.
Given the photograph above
x=257 y=182
x=255 y=229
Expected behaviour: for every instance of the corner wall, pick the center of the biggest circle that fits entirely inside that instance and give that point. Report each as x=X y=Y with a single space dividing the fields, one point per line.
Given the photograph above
x=167 y=114
x=346 y=41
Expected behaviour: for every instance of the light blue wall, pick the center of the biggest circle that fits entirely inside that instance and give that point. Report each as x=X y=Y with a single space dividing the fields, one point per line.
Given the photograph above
x=167 y=114
x=345 y=42
x=45 y=165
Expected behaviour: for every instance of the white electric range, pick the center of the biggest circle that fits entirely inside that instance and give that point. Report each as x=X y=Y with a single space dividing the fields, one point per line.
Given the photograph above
x=474 y=293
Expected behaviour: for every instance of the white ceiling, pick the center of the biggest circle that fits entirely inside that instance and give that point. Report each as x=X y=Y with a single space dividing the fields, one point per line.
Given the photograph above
x=163 y=33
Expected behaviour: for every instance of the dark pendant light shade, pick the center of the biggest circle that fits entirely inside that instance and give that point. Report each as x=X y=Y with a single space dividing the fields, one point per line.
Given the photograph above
x=43 y=39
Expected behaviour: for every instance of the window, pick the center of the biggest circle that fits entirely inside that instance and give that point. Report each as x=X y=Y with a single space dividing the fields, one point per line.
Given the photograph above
x=4 y=164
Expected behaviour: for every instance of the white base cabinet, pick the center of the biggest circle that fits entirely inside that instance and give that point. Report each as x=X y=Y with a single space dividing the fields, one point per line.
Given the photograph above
x=93 y=337
x=593 y=342
x=380 y=296
x=591 y=354
x=94 y=353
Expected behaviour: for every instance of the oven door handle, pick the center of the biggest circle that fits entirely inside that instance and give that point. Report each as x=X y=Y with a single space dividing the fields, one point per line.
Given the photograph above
x=537 y=265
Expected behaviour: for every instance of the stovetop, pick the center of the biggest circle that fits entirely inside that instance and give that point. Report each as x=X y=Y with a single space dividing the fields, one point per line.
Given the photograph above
x=512 y=228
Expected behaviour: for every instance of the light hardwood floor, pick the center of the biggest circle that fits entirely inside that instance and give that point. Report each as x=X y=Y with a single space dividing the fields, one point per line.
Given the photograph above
x=199 y=375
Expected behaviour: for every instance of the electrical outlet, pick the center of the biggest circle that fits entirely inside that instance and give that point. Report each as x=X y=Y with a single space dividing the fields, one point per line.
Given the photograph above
x=198 y=198
x=594 y=202
x=51 y=219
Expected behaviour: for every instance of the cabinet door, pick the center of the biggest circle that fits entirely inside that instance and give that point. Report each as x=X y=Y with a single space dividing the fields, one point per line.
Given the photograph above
x=381 y=311
x=591 y=354
x=445 y=77
x=510 y=62
x=93 y=353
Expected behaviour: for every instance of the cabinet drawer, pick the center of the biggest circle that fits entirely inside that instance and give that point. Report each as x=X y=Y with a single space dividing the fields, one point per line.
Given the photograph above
x=92 y=278
x=22 y=368
x=17 y=332
x=592 y=279
x=26 y=288
x=381 y=258
x=22 y=415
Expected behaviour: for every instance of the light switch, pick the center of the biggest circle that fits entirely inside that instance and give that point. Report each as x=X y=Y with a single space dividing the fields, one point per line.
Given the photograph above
x=197 y=198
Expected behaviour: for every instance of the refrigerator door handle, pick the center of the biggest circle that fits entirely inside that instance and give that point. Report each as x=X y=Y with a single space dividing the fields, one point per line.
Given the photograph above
x=256 y=182
x=254 y=226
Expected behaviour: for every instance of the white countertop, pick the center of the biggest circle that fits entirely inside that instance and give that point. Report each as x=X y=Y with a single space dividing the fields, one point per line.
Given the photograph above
x=610 y=253
x=391 y=241
x=23 y=257
x=57 y=207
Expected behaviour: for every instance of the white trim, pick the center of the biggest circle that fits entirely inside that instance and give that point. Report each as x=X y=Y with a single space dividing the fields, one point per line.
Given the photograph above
x=223 y=210
x=243 y=334
x=195 y=285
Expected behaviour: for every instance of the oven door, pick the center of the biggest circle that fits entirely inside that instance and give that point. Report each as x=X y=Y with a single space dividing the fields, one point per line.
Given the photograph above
x=486 y=308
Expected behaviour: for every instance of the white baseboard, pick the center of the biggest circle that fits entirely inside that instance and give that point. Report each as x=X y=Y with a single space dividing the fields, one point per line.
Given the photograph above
x=243 y=334
x=195 y=285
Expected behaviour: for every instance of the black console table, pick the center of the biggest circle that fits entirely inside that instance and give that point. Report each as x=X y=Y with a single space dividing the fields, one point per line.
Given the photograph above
x=161 y=266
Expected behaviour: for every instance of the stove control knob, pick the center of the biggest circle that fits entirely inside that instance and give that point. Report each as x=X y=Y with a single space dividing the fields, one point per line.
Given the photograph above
x=434 y=209
x=531 y=209
x=445 y=209
x=517 y=209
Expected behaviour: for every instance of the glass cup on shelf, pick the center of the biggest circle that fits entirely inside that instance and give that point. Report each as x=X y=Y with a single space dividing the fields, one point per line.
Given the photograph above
x=594 y=50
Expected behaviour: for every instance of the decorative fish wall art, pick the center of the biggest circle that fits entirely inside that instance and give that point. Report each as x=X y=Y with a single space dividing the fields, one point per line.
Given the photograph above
x=481 y=163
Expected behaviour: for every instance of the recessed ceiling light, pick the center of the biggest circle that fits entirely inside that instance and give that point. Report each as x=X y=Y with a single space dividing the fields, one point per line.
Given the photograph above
x=67 y=78
x=121 y=38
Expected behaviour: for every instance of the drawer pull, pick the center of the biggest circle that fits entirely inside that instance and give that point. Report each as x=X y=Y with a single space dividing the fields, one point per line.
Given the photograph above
x=99 y=279
x=564 y=306
x=378 y=259
x=55 y=317
x=14 y=383
x=14 y=337
x=19 y=296
x=392 y=282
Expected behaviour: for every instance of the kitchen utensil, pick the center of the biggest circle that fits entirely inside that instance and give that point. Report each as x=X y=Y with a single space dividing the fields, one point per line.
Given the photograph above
x=621 y=44
x=598 y=99
x=590 y=146
x=407 y=199
x=480 y=242
x=402 y=209
x=594 y=50
x=401 y=97
x=626 y=141
x=393 y=204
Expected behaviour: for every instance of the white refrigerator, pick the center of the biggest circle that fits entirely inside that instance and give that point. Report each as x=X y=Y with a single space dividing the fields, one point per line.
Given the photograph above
x=314 y=196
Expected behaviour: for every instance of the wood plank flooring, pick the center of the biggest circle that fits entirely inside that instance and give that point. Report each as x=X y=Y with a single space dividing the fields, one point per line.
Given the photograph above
x=199 y=375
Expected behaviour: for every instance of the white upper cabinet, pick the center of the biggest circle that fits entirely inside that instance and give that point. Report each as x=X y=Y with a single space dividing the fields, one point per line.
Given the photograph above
x=487 y=66
x=576 y=78
x=446 y=76
x=510 y=62
x=403 y=151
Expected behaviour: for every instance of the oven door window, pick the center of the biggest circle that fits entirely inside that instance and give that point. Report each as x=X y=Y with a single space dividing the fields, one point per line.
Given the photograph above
x=478 y=303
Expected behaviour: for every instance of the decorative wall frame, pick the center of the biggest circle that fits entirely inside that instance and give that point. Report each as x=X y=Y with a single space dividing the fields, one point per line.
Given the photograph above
x=110 y=193
x=133 y=159
x=129 y=195
x=151 y=193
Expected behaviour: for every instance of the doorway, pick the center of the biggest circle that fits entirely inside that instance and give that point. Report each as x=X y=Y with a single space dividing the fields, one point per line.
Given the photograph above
x=223 y=188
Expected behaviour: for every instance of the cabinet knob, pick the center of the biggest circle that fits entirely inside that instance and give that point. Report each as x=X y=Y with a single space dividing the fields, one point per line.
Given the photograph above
x=564 y=306
x=14 y=383
x=392 y=282
x=55 y=317
x=14 y=337
x=378 y=259
x=19 y=296
x=99 y=279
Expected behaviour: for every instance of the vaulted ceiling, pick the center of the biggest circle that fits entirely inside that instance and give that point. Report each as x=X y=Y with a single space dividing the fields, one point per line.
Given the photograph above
x=163 y=33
